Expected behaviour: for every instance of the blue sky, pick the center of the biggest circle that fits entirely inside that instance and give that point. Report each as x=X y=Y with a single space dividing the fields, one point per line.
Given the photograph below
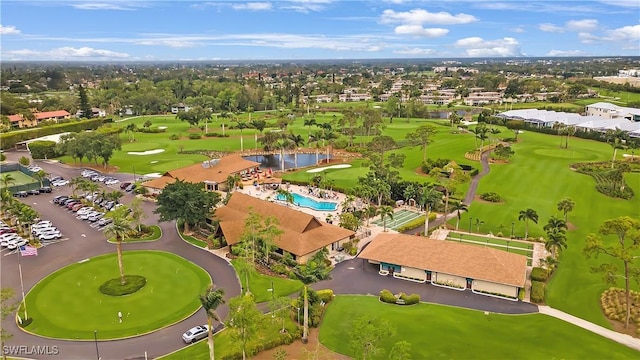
x=137 y=30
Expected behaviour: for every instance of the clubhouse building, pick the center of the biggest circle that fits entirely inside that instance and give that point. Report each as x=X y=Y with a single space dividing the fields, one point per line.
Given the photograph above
x=303 y=234
x=449 y=264
x=212 y=173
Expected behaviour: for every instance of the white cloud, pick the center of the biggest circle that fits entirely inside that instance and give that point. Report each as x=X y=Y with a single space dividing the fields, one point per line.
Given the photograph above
x=420 y=17
x=117 y=5
x=172 y=43
x=9 y=30
x=306 y=6
x=418 y=30
x=566 y=53
x=253 y=6
x=546 y=27
x=587 y=38
x=623 y=3
x=582 y=25
x=478 y=47
x=518 y=29
x=63 y=53
x=628 y=36
x=415 y=51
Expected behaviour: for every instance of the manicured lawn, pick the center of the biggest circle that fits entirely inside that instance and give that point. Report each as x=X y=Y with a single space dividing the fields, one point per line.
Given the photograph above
x=226 y=346
x=490 y=240
x=191 y=240
x=539 y=176
x=68 y=305
x=441 y=332
x=259 y=285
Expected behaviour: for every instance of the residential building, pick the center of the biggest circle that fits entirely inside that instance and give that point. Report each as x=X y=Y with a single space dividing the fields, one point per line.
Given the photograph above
x=302 y=236
x=179 y=107
x=611 y=111
x=449 y=264
x=95 y=112
x=19 y=122
x=54 y=116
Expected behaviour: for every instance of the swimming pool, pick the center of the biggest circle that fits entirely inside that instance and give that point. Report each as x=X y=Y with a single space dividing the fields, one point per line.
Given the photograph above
x=311 y=203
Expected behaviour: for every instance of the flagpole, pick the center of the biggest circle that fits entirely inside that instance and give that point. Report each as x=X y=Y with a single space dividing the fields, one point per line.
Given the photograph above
x=24 y=303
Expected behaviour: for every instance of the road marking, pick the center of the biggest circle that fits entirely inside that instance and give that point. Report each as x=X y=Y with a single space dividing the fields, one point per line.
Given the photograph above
x=350 y=268
x=83 y=235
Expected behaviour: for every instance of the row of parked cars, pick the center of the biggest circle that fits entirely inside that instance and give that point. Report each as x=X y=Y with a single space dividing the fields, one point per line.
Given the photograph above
x=45 y=231
x=42 y=190
x=83 y=212
x=97 y=177
x=8 y=237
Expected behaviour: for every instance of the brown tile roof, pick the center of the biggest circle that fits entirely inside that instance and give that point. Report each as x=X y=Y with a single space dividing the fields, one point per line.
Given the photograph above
x=230 y=164
x=15 y=118
x=303 y=233
x=159 y=183
x=50 y=114
x=196 y=173
x=448 y=257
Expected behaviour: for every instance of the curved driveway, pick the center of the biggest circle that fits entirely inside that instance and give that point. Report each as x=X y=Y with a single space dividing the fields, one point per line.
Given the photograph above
x=349 y=277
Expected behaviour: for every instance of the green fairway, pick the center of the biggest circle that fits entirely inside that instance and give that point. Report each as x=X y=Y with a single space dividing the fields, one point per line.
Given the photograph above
x=441 y=332
x=539 y=176
x=19 y=179
x=68 y=305
x=260 y=286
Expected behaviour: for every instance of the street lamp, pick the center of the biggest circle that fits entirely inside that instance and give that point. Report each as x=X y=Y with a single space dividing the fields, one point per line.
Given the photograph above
x=272 y=291
x=512 y=224
x=95 y=339
x=297 y=308
x=470 y=224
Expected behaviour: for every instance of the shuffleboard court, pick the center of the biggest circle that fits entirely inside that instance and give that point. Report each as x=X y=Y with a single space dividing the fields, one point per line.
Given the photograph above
x=400 y=218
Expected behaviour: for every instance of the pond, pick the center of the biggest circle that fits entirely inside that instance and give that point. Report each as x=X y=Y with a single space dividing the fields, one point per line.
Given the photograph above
x=273 y=161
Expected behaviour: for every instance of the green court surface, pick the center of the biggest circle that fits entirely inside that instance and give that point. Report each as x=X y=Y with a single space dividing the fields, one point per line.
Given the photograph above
x=19 y=179
x=400 y=218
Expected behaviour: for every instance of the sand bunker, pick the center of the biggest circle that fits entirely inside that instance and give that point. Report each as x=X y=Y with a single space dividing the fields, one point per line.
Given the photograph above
x=152 y=175
x=341 y=166
x=148 y=152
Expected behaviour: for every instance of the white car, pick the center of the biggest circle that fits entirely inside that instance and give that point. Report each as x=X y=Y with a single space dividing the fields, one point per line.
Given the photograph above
x=60 y=183
x=43 y=222
x=36 y=227
x=112 y=181
x=50 y=235
x=37 y=232
x=4 y=242
x=95 y=217
x=84 y=210
x=16 y=243
x=195 y=333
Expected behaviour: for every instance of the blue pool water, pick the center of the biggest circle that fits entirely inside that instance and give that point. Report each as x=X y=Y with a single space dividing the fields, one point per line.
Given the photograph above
x=311 y=203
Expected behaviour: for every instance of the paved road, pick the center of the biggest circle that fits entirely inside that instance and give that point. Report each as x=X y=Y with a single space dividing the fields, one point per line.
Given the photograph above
x=78 y=247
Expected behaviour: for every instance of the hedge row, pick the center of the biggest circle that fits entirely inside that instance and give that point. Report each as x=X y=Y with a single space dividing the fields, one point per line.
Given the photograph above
x=537 y=292
x=387 y=296
x=282 y=339
x=416 y=223
x=539 y=274
x=325 y=295
x=10 y=139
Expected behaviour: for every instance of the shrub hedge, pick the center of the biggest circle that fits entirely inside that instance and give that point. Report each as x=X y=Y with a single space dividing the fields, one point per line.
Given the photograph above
x=10 y=139
x=43 y=149
x=132 y=284
x=325 y=295
x=537 y=292
x=416 y=222
x=539 y=274
x=491 y=196
x=387 y=296
x=410 y=299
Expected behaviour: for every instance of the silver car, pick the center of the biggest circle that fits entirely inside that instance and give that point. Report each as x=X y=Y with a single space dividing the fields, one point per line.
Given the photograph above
x=195 y=333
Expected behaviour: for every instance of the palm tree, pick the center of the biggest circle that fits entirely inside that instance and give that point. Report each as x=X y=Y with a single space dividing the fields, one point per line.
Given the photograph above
x=315 y=138
x=41 y=175
x=7 y=180
x=429 y=198
x=478 y=223
x=566 y=205
x=555 y=223
x=296 y=141
x=27 y=216
x=385 y=211
x=114 y=195
x=241 y=126
x=287 y=195
x=283 y=143
x=616 y=139
x=309 y=123
x=549 y=264
x=232 y=181
x=526 y=215
x=258 y=125
x=76 y=183
x=119 y=229
x=458 y=208
x=556 y=241
x=130 y=129
x=210 y=301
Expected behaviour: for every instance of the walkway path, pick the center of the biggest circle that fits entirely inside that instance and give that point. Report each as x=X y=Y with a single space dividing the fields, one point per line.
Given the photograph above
x=623 y=339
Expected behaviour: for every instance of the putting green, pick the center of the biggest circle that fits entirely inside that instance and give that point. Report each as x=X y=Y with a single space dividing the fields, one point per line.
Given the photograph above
x=68 y=304
x=564 y=154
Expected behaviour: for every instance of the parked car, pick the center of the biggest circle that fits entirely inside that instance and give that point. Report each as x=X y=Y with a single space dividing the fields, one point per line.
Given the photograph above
x=8 y=236
x=77 y=206
x=21 y=194
x=60 y=199
x=60 y=183
x=111 y=181
x=6 y=230
x=124 y=185
x=84 y=210
x=15 y=243
x=104 y=221
x=56 y=178
x=95 y=217
x=34 y=192
x=42 y=223
x=37 y=232
x=45 y=189
x=130 y=188
x=50 y=235
x=195 y=333
x=4 y=242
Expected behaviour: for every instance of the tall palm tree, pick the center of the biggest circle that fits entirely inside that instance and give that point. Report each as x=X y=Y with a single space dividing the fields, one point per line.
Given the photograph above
x=241 y=125
x=41 y=175
x=210 y=301
x=296 y=142
x=385 y=211
x=27 y=216
x=555 y=223
x=115 y=195
x=526 y=215
x=616 y=138
x=478 y=223
x=566 y=205
x=315 y=138
x=282 y=143
x=429 y=198
x=119 y=229
x=287 y=195
x=458 y=208
x=309 y=123
x=556 y=241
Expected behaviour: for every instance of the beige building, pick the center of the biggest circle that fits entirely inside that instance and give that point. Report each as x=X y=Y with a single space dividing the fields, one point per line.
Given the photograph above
x=303 y=235
x=458 y=266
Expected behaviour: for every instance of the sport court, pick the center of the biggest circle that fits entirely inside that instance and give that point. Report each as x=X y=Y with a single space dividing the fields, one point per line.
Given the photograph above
x=20 y=179
x=400 y=218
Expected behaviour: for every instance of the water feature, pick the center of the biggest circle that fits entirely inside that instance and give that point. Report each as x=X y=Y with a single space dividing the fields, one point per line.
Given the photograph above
x=273 y=161
x=304 y=201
